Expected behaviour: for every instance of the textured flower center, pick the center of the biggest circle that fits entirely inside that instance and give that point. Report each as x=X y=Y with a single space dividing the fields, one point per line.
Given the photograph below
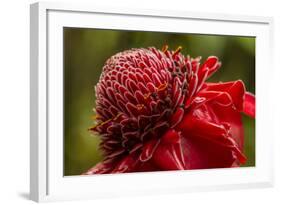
x=139 y=92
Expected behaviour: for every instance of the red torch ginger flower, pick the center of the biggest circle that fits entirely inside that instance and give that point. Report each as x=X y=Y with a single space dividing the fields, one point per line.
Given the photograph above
x=155 y=111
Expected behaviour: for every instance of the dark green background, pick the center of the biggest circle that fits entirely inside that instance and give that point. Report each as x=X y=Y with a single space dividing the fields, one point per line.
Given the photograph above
x=86 y=50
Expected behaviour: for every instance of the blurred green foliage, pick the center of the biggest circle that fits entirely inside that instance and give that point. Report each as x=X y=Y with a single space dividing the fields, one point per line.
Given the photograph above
x=85 y=52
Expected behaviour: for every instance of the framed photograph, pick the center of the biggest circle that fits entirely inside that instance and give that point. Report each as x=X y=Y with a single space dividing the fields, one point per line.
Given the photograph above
x=127 y=102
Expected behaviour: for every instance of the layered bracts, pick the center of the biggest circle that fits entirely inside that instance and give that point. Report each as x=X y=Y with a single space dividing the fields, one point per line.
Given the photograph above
x=155 y=111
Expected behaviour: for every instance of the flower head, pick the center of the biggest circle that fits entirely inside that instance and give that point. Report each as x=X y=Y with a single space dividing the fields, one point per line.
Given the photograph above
x=156 y=112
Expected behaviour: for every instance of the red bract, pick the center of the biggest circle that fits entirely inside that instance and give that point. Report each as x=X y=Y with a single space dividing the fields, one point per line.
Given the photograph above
x=156 y=112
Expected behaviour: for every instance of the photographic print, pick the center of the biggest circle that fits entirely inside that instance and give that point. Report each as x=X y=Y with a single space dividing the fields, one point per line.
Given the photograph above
x=141 y=101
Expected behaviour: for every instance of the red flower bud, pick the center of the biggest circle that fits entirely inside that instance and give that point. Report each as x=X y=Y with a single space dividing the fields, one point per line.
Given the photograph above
x=156 y=112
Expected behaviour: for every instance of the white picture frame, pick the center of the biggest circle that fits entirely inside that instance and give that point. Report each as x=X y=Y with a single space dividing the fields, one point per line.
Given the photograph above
x=47 y=182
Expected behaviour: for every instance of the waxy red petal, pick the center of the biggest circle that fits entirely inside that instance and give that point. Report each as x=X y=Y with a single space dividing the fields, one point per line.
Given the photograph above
x=250 y=105
x=212 y=64
x=234 y=119
x=203 y=154
x=235 y=89
x=127 y=164
x=169 y=153
x=202 y=76
x=221 y=98
x=198 y=123
x=204 y=123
